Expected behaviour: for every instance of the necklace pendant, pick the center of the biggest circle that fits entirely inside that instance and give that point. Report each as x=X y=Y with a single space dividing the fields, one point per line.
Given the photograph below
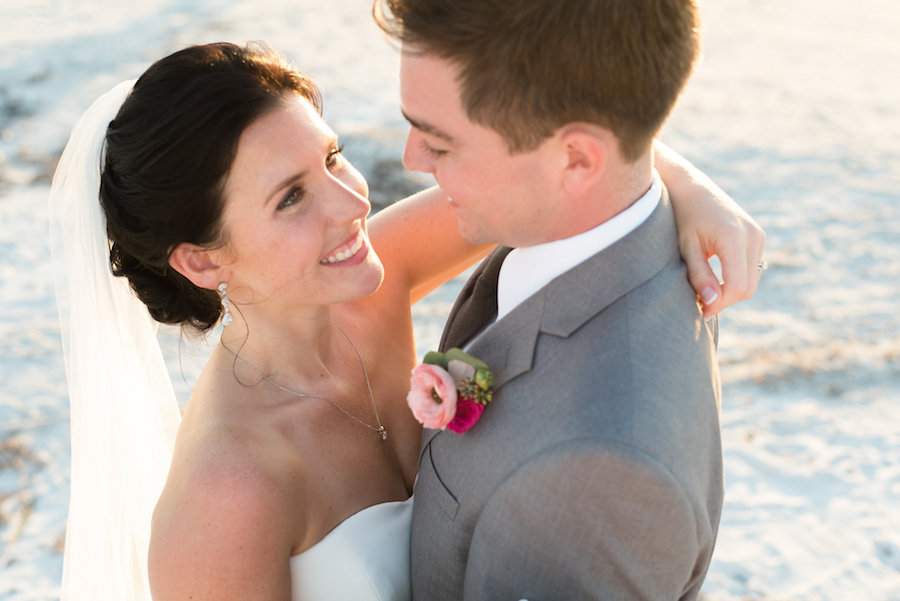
x=382 y=432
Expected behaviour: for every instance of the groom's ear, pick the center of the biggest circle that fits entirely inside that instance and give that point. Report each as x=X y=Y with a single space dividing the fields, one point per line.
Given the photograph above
x=584 y=151
x=197 y=264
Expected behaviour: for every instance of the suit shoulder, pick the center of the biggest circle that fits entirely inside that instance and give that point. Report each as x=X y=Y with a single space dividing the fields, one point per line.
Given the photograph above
x=591 y=521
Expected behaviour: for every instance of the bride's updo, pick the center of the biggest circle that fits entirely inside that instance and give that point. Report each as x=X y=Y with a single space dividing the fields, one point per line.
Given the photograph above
x=168 y=154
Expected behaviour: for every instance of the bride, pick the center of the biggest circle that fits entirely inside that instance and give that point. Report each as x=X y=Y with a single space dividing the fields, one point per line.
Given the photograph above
x=217 y=194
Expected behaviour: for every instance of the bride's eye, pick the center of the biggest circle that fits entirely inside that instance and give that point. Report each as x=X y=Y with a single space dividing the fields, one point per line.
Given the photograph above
x=334 y=156
x=293 y=196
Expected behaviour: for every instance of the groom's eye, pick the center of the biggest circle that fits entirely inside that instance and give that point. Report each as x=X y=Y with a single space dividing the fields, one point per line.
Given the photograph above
x=431 y=151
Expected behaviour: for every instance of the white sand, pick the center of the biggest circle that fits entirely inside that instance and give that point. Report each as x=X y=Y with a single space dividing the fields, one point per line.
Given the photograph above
x=794 y=110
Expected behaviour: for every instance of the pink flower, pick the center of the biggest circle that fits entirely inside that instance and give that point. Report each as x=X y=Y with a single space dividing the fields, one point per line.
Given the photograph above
x=450 y=390
x=432 y=396
x=467 y=413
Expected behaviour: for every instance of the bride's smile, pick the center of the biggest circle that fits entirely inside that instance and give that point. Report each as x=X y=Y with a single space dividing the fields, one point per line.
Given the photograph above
x=348 y=251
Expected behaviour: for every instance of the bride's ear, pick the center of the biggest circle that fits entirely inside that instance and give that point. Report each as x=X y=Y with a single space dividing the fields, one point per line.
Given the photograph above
x=197 y=264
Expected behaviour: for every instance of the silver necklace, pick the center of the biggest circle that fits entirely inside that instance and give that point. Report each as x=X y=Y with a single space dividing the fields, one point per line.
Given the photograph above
x=303 y=395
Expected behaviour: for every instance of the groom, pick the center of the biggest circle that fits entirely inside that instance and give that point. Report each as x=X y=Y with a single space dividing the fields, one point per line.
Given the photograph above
x=596 y=471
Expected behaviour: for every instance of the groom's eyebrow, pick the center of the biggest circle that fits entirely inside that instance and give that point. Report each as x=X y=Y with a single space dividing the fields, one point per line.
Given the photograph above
x=428 y=128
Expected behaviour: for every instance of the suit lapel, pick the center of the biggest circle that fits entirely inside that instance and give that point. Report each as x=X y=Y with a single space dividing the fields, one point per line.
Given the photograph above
x=563 y=305
x=574 y=297
x=475 y=307
x=508 y=345
x=476 y=304
x=588 y=288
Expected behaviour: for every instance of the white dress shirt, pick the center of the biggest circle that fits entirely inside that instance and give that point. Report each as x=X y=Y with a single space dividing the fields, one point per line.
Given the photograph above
x=528 y=269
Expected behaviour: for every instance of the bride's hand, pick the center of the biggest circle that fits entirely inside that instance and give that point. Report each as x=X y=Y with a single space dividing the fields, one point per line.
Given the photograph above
x=711 y=223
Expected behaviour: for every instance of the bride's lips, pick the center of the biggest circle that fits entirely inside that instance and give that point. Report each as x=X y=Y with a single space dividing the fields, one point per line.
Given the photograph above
x=350 y=252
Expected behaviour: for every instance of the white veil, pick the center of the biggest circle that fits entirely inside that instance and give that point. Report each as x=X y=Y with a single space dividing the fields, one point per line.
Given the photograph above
x=123 y=410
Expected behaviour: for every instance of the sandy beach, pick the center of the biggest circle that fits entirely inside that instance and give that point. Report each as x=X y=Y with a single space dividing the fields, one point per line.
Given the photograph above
x=793 y=110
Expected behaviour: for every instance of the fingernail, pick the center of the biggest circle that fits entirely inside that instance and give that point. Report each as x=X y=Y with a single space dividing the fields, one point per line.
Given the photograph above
x=708 y=295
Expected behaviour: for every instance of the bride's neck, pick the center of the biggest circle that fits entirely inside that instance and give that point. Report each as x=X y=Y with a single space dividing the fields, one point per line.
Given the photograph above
x=301 y=348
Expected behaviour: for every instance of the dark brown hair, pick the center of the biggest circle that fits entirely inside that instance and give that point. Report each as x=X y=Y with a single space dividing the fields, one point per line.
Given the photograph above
x=528 y=67
x=168 y=154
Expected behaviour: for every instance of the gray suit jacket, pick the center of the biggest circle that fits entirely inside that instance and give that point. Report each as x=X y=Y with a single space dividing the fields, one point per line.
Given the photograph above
x=596 y=472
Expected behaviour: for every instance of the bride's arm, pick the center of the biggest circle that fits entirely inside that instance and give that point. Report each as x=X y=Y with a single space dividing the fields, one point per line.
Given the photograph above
x=711 y=223
x=418 y=240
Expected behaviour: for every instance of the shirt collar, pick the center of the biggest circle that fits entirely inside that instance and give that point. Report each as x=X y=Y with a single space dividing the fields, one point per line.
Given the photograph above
x=528 y=269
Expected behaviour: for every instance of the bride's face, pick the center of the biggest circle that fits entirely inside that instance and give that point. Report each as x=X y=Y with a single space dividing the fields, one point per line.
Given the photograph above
x=295 y=215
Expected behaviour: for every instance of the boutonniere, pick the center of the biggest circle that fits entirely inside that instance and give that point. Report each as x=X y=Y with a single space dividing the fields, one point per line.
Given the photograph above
x=450 y=390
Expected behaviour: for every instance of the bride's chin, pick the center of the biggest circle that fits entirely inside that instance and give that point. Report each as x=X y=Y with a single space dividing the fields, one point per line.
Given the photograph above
x=375 y=277
x=367 y=278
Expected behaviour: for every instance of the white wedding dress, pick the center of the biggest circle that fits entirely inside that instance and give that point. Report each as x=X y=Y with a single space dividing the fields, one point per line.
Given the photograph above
x=365 y=558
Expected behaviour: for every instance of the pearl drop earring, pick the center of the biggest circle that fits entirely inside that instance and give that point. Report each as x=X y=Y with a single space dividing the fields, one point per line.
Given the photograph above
x=223 y=292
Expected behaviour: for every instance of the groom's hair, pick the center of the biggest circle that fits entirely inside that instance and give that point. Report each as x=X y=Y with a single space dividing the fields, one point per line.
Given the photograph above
x=168 y=154
x=528 y=67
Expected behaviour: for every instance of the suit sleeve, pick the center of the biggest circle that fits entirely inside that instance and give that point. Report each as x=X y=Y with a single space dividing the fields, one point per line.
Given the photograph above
x=585 y=522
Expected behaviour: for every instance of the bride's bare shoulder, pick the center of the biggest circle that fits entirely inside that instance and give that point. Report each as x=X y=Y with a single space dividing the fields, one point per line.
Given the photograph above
x=230 y=508
x=230 y=462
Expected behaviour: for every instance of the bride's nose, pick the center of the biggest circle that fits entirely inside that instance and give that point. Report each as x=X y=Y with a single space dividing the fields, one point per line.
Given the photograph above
x=353 y=191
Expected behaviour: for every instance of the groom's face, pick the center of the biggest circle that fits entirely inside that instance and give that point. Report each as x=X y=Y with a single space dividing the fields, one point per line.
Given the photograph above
x=497 y=196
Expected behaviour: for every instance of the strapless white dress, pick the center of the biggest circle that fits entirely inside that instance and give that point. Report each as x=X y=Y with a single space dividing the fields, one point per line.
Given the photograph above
x=365 y=558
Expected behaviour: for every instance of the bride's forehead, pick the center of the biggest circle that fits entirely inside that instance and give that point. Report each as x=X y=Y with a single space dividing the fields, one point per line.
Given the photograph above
x=290 y=118
x=289 y=139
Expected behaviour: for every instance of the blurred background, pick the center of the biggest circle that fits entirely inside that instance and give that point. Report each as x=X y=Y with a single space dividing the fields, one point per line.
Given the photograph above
x=793 y=110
